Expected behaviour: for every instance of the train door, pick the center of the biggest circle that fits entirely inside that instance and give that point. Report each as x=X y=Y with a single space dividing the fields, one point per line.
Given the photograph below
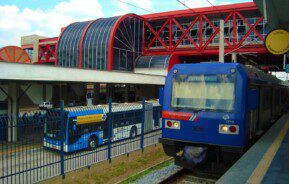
x=253 y=111
x=265 y=107
x=276 y=102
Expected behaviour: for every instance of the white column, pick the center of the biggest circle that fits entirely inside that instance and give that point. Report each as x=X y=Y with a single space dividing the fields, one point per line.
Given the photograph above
x=12 y=111
x=234 y=57
x=221 y=42
x=284 y=61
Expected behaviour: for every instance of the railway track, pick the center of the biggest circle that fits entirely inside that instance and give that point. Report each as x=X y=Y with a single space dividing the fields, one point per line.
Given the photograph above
x=188 y=176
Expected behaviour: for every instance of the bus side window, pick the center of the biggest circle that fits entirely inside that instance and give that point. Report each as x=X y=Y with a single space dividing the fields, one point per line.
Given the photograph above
x=115 y=124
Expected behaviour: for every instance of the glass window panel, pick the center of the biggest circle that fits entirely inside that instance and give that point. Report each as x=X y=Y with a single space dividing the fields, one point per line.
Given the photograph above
x=204 y=92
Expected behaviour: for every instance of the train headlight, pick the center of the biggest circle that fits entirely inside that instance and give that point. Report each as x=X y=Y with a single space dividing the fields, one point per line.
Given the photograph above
x=176 y=124
x=171 y=124
x=224 y=128
x=228 y=129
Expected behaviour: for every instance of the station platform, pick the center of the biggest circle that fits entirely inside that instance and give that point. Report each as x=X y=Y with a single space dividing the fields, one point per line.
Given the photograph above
x=267 y=161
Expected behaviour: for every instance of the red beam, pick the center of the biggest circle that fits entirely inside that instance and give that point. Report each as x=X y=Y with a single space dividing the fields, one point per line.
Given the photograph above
x=205 y=10
x=259 y=49
x=158 y=33
x=250 y=30
x=171 y=34
x=111 y=38
x=185 y=32
x=217 y=31
x=254 y=26
x=28 y=46
x=234 y=29
x=201 y=31
x=54 y=40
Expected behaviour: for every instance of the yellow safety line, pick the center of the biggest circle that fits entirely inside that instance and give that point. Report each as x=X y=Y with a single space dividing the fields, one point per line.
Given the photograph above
x=261 y=169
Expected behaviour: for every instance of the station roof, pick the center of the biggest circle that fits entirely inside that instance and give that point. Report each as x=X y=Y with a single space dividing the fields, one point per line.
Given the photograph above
x=215 y=9
x=277 y=12
x=29 y=72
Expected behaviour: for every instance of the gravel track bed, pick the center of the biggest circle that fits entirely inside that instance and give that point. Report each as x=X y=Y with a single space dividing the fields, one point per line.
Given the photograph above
x=159 y=175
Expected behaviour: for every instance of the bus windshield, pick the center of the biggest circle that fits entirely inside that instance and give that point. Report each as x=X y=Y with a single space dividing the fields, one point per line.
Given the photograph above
x=204 y=92
x=52 y=129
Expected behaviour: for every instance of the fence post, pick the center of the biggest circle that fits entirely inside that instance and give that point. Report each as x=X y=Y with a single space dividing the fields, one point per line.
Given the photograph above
x=109 y=129
x=142 y=124
x=61 y=139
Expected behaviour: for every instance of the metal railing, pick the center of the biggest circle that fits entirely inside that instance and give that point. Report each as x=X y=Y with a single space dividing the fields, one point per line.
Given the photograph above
x=25 y=156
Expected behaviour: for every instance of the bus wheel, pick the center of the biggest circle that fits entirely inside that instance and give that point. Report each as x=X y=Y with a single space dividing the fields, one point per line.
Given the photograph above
x=133 y=132
x=92 y=142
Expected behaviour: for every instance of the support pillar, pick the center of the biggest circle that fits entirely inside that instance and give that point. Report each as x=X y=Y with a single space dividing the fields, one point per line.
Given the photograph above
x=44 y=96
x=35 y=50
x=234 y=57
x=96 y=91
x=126 y=93
x=60 y=93
x=109 y=91
x=284 y=61
x=13 y=110
x=221 y=42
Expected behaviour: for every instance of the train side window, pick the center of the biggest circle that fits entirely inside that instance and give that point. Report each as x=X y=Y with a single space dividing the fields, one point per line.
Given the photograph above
x=277 y=97
x=267 y=99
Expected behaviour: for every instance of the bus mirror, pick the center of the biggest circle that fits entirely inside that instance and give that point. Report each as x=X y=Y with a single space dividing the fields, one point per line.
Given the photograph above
x=253 y=99
x=161 y=95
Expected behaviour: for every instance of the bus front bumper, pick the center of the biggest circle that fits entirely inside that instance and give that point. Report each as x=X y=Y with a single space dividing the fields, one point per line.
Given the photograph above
x=54 y=144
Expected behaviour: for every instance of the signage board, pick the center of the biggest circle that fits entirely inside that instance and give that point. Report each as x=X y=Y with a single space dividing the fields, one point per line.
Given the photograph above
x=277 y=42
x=91 y=118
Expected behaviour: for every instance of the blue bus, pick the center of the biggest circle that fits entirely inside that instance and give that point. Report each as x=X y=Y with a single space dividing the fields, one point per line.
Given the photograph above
x=86 y=127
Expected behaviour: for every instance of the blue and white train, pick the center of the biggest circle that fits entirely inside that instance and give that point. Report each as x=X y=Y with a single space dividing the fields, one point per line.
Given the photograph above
x=217 y=107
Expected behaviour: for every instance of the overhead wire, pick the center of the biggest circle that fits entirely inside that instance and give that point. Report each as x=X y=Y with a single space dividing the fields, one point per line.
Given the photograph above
x=130 y=4
x=222 y=14
x=184 y=4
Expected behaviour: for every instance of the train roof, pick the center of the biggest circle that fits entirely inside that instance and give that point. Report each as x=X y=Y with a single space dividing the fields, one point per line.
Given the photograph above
x=254 y=74
x=259 y=76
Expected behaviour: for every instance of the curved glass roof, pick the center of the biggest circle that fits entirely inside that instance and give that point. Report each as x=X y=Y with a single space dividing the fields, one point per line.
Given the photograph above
x=155 y=61
x=95 y=45
x=68 y=45
x=127 y=43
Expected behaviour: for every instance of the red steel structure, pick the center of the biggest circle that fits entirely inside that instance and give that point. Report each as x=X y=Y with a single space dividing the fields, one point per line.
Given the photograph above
x=188 y=32
x=46 y=50
x=229 y=13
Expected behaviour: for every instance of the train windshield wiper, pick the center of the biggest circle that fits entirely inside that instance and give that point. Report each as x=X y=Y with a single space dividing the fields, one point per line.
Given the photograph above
x=198 y=110
x=179 y=108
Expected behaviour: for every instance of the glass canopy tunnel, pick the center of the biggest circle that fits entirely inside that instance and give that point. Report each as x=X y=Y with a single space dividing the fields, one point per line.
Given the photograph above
x=103 y=44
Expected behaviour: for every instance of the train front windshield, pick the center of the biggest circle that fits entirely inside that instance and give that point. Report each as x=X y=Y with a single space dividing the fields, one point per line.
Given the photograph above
x=203 y=92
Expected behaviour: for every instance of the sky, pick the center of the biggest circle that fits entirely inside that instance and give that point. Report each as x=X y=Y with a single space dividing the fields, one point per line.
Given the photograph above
x=46 y=17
